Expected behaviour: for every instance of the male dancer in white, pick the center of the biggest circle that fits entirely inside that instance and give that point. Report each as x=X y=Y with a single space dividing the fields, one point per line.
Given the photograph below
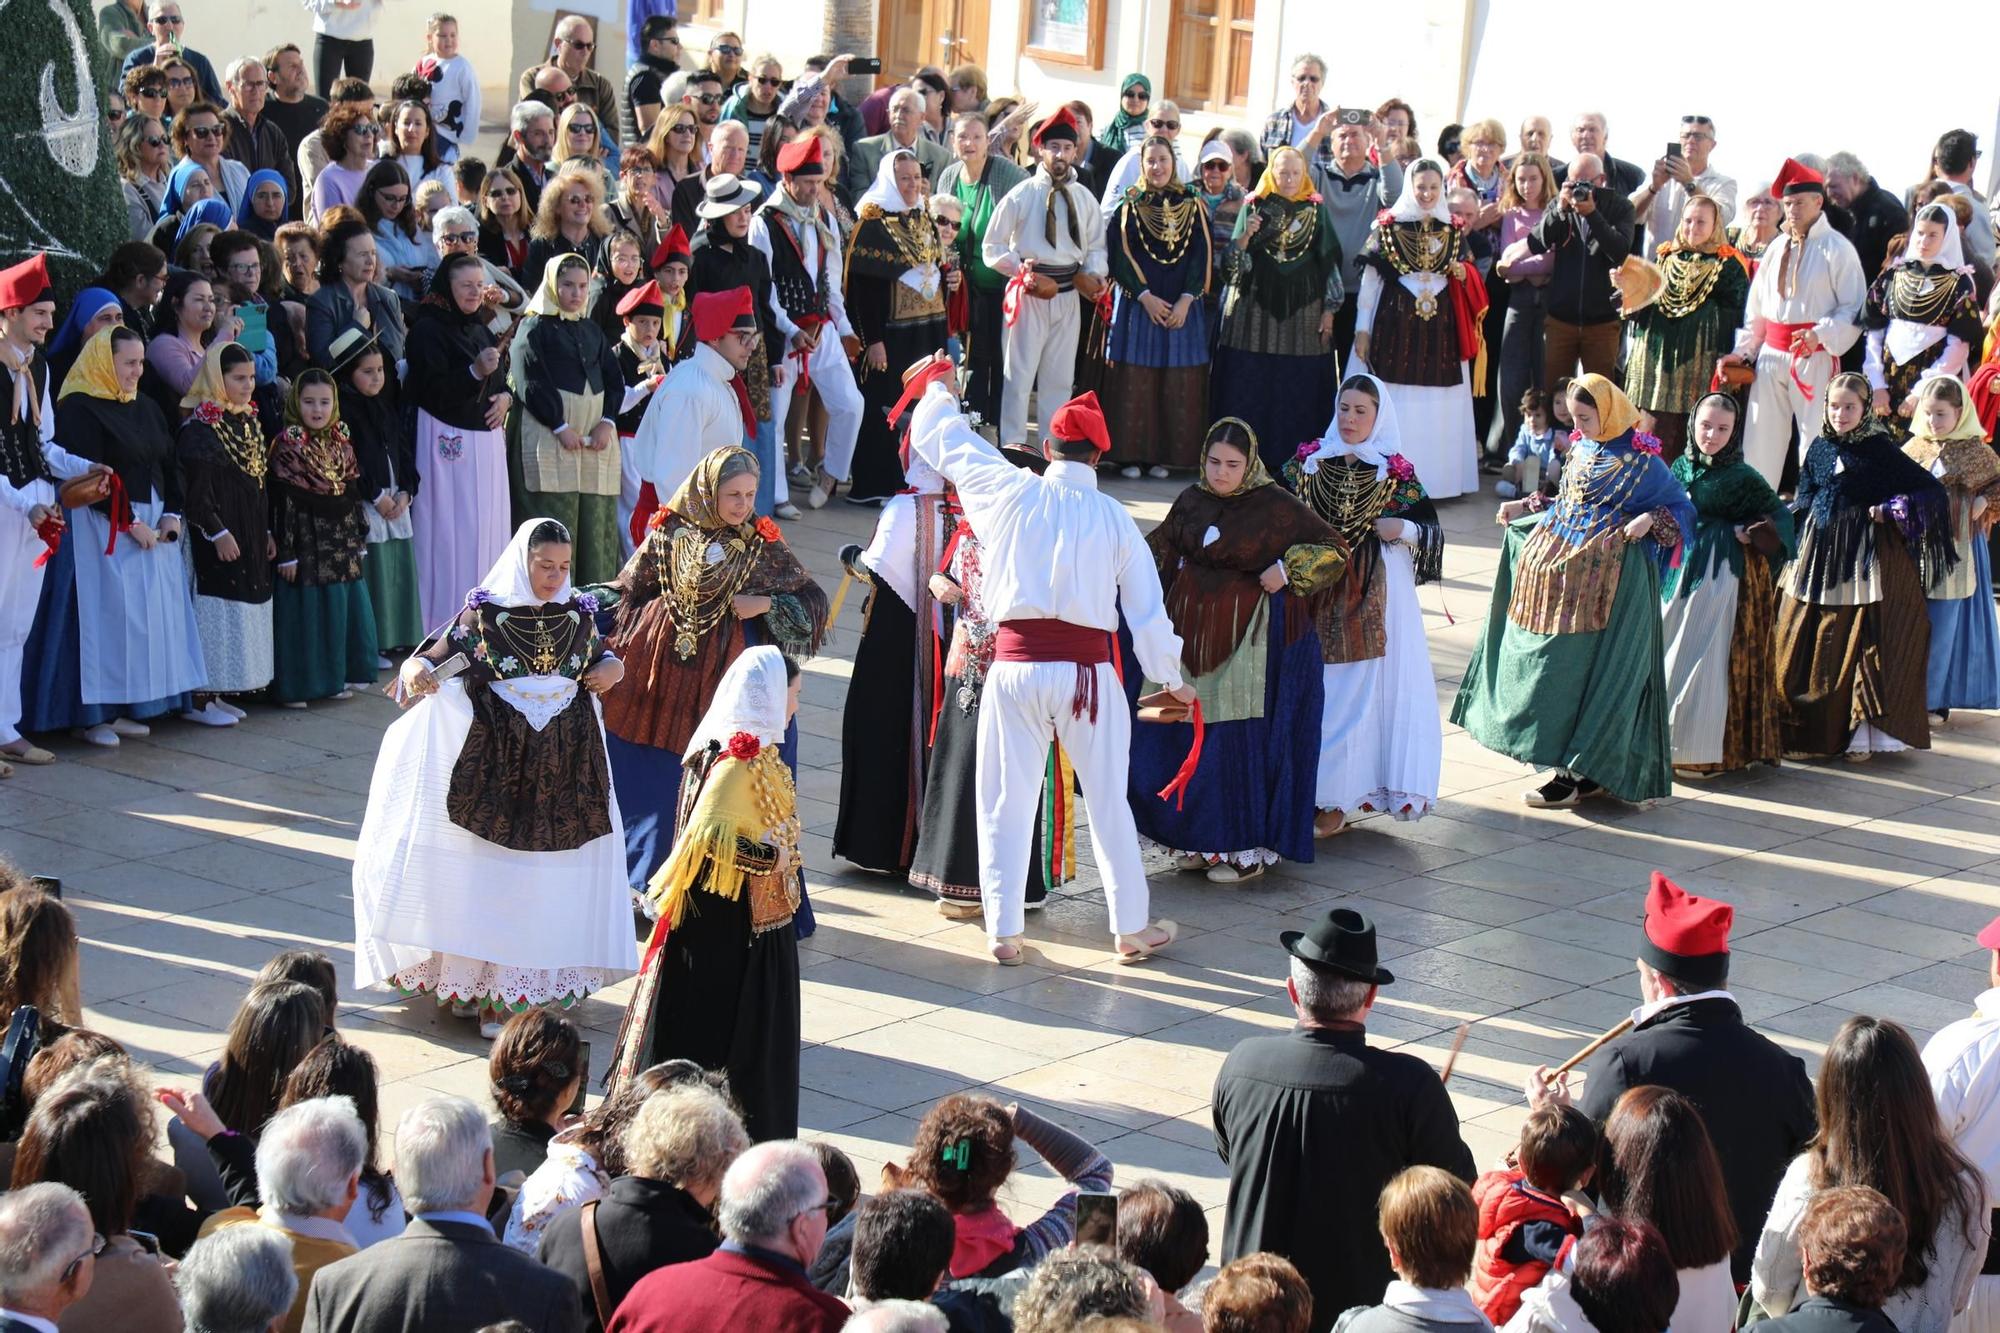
x=1047 y=236
x=1060 y=561
x=1804 y=313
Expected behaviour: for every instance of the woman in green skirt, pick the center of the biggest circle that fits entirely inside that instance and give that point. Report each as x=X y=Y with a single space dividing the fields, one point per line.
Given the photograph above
x=564 y=446
x=322 y=621
x=1570 y=672
x=388 y=458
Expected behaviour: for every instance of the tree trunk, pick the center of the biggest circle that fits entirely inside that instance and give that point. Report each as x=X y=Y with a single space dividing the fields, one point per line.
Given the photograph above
x=849 y=28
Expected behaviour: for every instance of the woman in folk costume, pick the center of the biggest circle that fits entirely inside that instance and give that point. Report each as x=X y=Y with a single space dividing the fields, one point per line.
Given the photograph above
x=1922 y=318
x=224 y=468
x=488 y=867
x=1853 y=631
x=324 y=620
x=1274 y=366
x=946 y=860
x=720 y=980
x=1417 y=327
x=898 y=671
x=569 y=388
x=710 y=580
x=1677 y=337
x=895 y=298
x=1569 y=673
x=386 y=453
x=1719 y=603
x=1946 y=440
x=115 y=638
x=454 y=381
x=1239 y=558
x=1156 y=392
x=1380 y=741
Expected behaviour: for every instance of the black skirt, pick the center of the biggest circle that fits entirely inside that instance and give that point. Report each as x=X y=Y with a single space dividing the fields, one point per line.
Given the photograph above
x=1406 y=348
x=878 y=464
x=877 y=825
x=947 y=856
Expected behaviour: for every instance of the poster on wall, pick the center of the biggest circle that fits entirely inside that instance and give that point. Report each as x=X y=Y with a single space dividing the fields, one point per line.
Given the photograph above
x=1064 y=32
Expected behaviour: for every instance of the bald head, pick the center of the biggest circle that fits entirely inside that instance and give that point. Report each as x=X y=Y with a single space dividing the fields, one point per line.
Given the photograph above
x=1587 y=167
x=550 y=79
x=576 y=43
x=728 y=147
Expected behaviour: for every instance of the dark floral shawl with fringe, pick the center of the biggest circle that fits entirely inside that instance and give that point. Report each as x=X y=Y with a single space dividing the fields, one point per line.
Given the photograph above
x=1842 y=478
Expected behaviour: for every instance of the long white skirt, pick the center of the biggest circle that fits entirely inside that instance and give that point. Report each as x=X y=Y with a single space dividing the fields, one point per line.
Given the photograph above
x=1697 y=629
x=444 y=910
x=1381 y=741
x=1437 y=435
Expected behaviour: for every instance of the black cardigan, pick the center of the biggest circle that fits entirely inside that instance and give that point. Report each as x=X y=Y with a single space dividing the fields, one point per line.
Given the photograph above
x=442 y=346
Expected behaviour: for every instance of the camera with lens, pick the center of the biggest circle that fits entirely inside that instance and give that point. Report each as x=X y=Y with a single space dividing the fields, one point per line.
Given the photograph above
x=1580 y=192
x=23 y=1037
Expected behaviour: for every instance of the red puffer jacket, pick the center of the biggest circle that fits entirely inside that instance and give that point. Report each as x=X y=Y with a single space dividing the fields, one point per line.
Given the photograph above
x=1507 y=1203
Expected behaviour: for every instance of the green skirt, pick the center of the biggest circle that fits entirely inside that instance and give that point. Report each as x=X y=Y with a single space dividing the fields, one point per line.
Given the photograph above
x=595 y=555
x=391 y=573
x=1594 y=704
x=325 y=639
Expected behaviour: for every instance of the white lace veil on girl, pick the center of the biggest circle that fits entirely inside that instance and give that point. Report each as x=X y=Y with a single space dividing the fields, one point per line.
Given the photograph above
x=751 y=698
x=1406 y=207
x=509 y=583
x=1384 y=440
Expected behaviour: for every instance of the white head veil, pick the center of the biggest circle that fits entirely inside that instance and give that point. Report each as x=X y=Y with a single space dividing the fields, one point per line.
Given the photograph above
x=751 y=698
x=1408 y=210
x=883 y=193
x=509 y=583
x=1384 y=440
x=1907 y=340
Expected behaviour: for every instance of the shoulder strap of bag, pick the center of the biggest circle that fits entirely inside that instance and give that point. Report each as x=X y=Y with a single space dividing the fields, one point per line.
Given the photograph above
x=593 y=1263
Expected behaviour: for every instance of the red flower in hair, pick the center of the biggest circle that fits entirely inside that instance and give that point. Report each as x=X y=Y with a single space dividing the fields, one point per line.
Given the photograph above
x=743 y=746
x=207 y=413
x=659 y=518
x=769 y=530
x=1646 y=443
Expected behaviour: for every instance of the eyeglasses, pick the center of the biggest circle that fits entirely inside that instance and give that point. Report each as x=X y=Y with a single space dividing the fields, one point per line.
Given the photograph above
x=97 y=1244
x=946 y=224
x=727 y=50
x=1163 y=124
x=168 y=21
x=187 y=82
x=768 y=83
x=575 y=45
x=367 y=131
x=709 y=99
x=248 y=85
x=247 y=268
x=204 y=131
x=825 y=1205
x=460 y=237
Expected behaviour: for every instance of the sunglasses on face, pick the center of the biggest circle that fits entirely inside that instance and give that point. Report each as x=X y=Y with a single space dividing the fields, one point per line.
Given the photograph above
x=1138 y=93
x=152 y=90
x=116 y=115
x=709 y=99
x=460 y=237
x=168 y=21
x=575 y=45
x=180 y=83
x=682 y=128
x=1163 y=124
x=367 y=131
x=153 y=141
x=204 y=131
x=1207 y=167
x=729 y=50
x=582 y=127
x=768 y=83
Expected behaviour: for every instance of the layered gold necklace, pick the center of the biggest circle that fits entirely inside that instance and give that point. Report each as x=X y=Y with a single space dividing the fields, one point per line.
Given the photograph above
x=700 y=574
x=1690 y=276
x=1169 y=218
x=914 y=235
x=538 y=637
x=324 y=455
x=1921 y=297
x=1347 y=494
x=243 y=440
x=1295 y=236
x=1425 y=246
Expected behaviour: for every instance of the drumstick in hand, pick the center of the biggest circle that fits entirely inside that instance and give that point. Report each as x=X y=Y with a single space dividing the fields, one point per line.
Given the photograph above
x=1457 y=1044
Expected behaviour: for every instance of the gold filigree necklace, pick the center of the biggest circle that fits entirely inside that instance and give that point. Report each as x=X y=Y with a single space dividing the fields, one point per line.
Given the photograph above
x=701 y=574
x=539 y=638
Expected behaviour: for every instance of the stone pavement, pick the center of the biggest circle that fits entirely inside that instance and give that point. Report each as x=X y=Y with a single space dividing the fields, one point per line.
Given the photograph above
x=191 y=857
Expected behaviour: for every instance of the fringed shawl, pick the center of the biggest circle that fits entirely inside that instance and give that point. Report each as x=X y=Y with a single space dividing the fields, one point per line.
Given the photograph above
x=1842 y=479
x=1291 y=255
x=1643 y=485
x=722 y=829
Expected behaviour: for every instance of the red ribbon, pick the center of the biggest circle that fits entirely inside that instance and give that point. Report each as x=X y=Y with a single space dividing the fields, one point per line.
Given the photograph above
x=1010 y=301
x=50 y=530
x=642 y=512
x=121 y=512
x=743 y=404
x=803 y=355
x=1787 y=335
x=1176 y=790
x=939 y=368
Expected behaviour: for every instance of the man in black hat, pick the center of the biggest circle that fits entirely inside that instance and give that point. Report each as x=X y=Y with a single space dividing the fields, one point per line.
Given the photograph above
x=1315 y=1122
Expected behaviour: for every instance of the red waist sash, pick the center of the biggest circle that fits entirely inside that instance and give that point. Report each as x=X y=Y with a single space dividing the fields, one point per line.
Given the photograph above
x=1057 y=641
x=1780 y=337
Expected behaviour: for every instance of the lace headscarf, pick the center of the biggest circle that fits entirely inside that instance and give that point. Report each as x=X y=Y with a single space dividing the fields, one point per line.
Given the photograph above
x=750 y=699
x=1255 y=474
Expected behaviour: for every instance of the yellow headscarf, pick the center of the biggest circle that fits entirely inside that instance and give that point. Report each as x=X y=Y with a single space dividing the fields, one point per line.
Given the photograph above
x=93 y=375
x=1267 y=184
x=1615 y=413
x=548 y=296
x=208 y=386
x=1968 y=427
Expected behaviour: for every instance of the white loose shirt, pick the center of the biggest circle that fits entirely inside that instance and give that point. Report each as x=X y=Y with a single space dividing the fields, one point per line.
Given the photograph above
x=1827 y=289
x=1963 y=1060
x=1018 y=229
x=1665 y=213
x=693 y=413
x=810 y=239
x=1054 y=547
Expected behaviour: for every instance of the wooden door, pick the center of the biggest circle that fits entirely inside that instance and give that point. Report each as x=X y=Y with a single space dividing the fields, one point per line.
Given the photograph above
x=901 y=38
x=964 y=32
x=1208 y=53
x=915 y=33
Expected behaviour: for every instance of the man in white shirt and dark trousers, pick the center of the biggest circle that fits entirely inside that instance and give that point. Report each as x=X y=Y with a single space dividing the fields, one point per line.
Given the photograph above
x=1047 y=236
x=1964 y=1064
x=1061 y=561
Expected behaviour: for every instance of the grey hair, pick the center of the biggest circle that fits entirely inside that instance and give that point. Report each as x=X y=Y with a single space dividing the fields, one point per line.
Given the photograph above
x=684 y=1135
x=1845 y=163
x=572 y=23
x=42 y=1229
x=1243 y=143
x=906 y=93
x=1308 y=58
x=736 y=465
x=525 y=114
x=1071 y=1286
x=1328 y=996
x=458 y=215
x=309 y=1153
x=237 y=1280
x=1813 y=160
x=1603 y=124
x=233 y=71
x=441 y=1148
x=1165 y=105
x=728 y=129
x=766 y=1188
x=896 y=1317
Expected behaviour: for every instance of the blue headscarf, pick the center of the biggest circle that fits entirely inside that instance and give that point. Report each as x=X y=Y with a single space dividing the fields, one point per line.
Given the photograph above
x=177 y=180
x=67 y=345
x=246 y=215
x=212 y=211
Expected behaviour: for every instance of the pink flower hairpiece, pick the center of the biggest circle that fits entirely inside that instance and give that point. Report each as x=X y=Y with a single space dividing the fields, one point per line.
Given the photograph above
x=1307 y=449
x=1401 y=469
x=1646 y=443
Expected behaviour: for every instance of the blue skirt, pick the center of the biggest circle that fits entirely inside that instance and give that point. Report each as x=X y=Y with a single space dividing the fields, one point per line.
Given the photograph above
x=1286 y=399
x=1138 y=341
x=1253 y=789
x=1965 y=645
x=52 y=662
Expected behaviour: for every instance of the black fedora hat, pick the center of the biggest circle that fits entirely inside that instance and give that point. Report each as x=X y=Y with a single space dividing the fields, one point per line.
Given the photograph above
x=1342 y=941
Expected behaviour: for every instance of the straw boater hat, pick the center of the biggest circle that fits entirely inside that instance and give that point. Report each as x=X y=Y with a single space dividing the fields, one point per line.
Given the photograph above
x=1639 y=283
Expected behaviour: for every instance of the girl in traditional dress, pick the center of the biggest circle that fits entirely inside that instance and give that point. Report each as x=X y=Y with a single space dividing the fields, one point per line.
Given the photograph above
x=1946 y=440
x=1238 y=557
x=382 y=446
x=114 y=638
x=487 y=873
x=1569 y=673
x=1415 y=326
x=720 y=981
x=324 y=621
x=568 y=389
x=1380 y=741
x=710 y=579
x=885 y=727
x=1922 y=318
x=895 y=298
x=1274 y=367
x=1853 y=633
x=1677 y=339
x=1156 y=391
x=462 y=403
x=1719 y=601
x=723 y=260
x=223 y=464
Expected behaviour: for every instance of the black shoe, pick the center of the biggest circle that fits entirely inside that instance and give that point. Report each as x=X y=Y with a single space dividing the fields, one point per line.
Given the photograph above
x=1558 y=793
x=1585 y=789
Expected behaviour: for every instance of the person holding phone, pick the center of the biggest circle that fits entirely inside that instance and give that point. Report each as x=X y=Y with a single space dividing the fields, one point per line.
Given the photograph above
x=1679 y=174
